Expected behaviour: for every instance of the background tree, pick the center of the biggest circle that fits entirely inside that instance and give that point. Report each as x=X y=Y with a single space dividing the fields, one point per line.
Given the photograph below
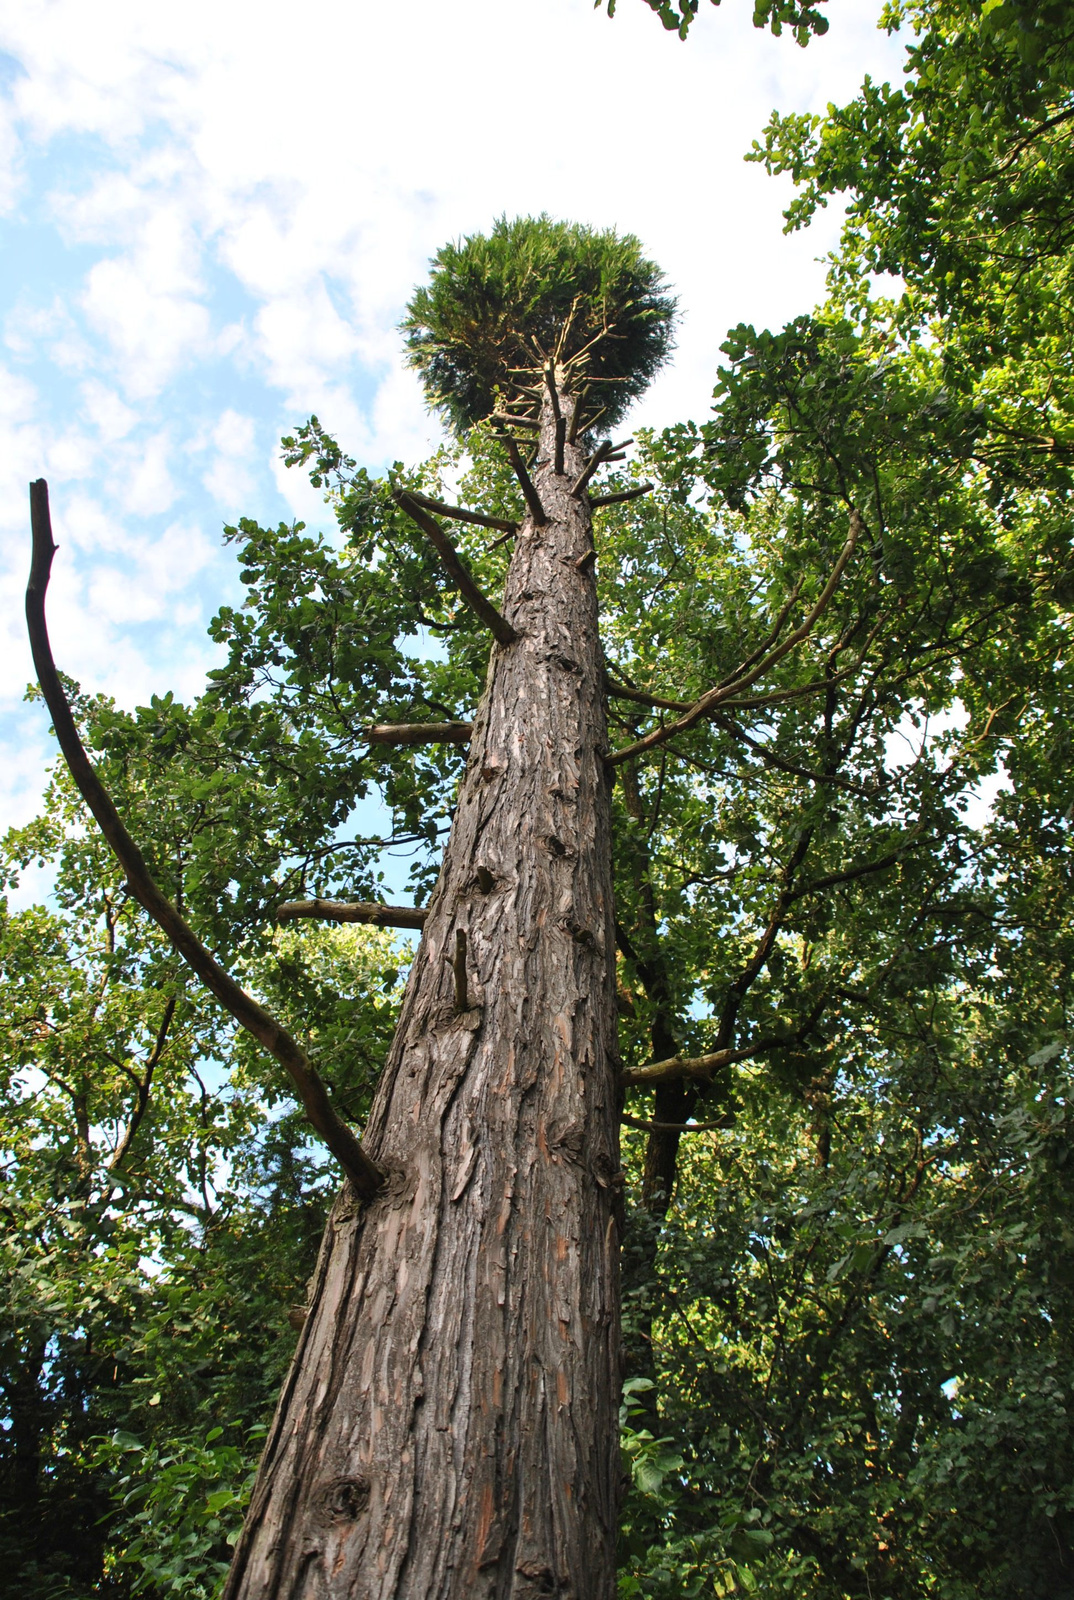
x=841 y=893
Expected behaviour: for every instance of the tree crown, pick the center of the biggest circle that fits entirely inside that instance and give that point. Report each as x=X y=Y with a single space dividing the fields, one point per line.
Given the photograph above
x=501 y=306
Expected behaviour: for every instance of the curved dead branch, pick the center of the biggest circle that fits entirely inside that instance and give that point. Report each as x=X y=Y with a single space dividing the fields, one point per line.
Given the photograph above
x=364 y=1174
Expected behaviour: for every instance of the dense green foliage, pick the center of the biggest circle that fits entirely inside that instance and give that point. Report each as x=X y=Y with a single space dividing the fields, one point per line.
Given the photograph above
x=803 y=20
x=849 y=1322
x=532 y=290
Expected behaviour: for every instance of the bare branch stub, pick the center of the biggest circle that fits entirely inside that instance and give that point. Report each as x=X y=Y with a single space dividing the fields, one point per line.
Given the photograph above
x=576 y=419
x=516 y=422
x=560 y=419
x=418 y=732
x=600 y=454
x=461 y=514
x=620 y=498
x=364 y=1174
x=368 y=911
x=533 y=499
x=590 y=424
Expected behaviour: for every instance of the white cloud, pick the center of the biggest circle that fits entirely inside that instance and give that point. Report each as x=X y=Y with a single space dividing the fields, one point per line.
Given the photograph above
x=152 y=332
x=240 y=208
x=148 y=487
x=105 y=411
x=229 y=479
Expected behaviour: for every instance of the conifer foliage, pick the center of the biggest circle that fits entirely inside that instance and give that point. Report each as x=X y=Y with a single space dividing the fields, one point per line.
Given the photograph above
x=536 y=287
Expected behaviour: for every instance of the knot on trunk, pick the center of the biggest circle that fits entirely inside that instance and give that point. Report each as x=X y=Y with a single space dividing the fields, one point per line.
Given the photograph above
x=340 y=1500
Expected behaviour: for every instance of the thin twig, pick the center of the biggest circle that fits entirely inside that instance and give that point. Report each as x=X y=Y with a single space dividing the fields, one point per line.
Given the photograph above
x=677 y=1127
x=364 y=1174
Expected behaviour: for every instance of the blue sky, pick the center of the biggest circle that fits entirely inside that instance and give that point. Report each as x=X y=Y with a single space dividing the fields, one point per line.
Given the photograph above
x=213 y=215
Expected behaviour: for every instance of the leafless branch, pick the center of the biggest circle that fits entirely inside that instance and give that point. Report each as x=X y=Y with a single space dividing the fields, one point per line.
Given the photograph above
x=619 y=499
x=418 y=732
x=533 y=499
x=364 y=1174
x=460 y=514
x=353 y=911
x=482 y=607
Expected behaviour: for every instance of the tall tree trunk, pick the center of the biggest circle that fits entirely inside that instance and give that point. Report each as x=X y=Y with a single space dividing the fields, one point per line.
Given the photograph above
x=448 y=1426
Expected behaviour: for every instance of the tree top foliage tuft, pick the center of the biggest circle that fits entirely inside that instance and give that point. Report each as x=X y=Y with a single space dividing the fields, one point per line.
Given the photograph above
x=532 y=289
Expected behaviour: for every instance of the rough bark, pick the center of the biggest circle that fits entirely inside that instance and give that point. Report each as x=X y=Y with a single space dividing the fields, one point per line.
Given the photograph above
x=448 y=1427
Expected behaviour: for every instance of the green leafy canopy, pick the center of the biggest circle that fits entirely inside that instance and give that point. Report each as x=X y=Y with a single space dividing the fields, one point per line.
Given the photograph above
x=534 y=288
x=802 y=19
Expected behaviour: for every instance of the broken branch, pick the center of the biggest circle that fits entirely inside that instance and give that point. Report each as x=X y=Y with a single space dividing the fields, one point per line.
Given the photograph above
x=364 y=1174
x=478 y=603
x=603 y=450
x=460 y=514
x=353 y=911
x=533 y=499
x=418 y=732
x=619 y=499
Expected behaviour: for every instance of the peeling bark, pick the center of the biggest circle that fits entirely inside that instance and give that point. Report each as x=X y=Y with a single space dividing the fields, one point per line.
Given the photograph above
x=448 y=1426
